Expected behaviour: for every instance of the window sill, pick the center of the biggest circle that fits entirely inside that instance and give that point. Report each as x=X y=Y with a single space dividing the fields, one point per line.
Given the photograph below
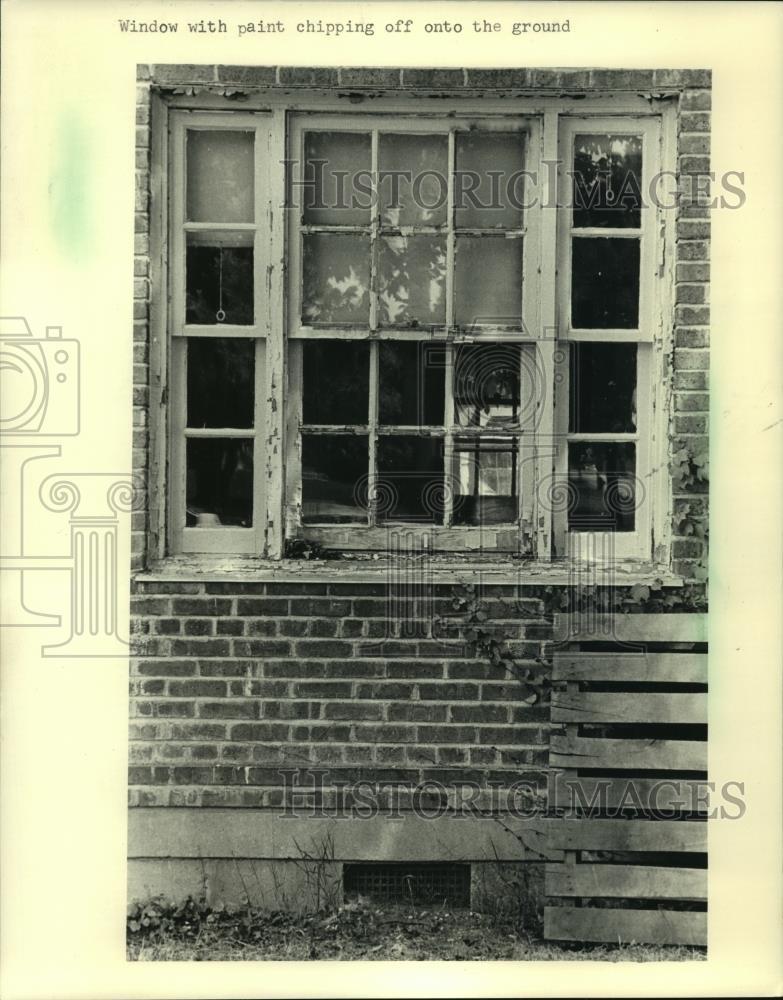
x=379 y=568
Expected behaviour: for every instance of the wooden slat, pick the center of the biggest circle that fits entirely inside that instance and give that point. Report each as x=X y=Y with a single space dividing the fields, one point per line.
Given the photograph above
x=626 y=881
x=628 y=835
x=632 y=628
x=581 y=706
x=646 y=793
x=641 y=667
x=568 y=750
x=567 y=923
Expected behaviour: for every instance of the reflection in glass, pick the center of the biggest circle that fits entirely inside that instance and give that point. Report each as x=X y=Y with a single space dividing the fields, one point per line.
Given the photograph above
x=486 y=385
x=220 y=382
x=337 y=189
x=334 y=476
x=413 y=179
x=605 y=283
x=336 y=382
x=607 y=181
x=219 y=278
x=602 y=484
x=412 y=281
x=220 y=176
x=486 y=475
x=489 y=190
x=411 y=383
x=219 y=487
x=488 y=281
x=410 y=483
x=602 y=388
x=336 y=279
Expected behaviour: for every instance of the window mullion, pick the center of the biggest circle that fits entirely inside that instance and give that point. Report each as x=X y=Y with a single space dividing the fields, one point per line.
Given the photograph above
x=372 y=443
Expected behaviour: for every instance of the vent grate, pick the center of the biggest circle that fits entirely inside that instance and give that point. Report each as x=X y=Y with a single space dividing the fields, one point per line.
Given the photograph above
x=419 y=883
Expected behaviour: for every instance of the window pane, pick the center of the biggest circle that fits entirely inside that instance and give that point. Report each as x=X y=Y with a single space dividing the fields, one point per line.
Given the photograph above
x=486 y=481
x=607 y=181
x=488 y=281
x=410 y=483
x=334 y=478
x=336 y=377
x=488 y=185
x=486 y=385
x=602 y=388
x=220 y=176
x=602 y=485
x=219 y=278
x=411 y=383
x=336 y=279
x=412 y=281
x=219 y=483
x=337 y=175
x=605 y=284
x=413 y=179
x=220 y=382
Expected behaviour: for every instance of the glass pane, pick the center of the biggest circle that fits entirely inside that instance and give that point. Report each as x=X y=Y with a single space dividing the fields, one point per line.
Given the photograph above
x=607 y=181
x=336 y=377
x=336 y=279
x=219 y=278
x=220 y=382
x=334 y=479
x=605 y=284
x=337 y=189
x=219 y=483
x=488 y=281
x=412 y=281
x=220 y=176
x=602 y=485
x=602 y=388
x=486 y=385
x=486 y=481
x=410 y=483
x=489 y=187
x=411 y=383
x=413 y=179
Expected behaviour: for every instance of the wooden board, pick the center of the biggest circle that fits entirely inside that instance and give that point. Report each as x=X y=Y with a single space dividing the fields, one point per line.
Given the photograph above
x=641 y=667
x=646 y=793
x=568 y=750
x=632 y=628
x=581 y=706
x=626 y=881
x=627 y=835
x=568 y=923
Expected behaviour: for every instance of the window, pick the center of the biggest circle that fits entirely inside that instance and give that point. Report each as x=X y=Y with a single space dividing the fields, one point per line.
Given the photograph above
x=420 y=342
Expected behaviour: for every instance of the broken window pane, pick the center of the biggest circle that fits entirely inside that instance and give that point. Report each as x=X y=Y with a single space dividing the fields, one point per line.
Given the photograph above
x=486 y=481
x=220 y=382
x=219 y=278
x=412 y=281
x=602 y=388
x=336 y=381
x=220 y=176
x=602 y=484
x=336 y=279
x=607 y=181
x=334 y=479
x=219 y=482
x=337 y=179
x=411 y=383
x=486 y=385
x=413 y=179
x=488 y=281
x=605 y=284
x=410 y=485
x=489 y=189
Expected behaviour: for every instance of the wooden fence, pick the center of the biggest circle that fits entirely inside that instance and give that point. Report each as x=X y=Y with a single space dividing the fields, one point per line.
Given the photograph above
x=631 y=696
